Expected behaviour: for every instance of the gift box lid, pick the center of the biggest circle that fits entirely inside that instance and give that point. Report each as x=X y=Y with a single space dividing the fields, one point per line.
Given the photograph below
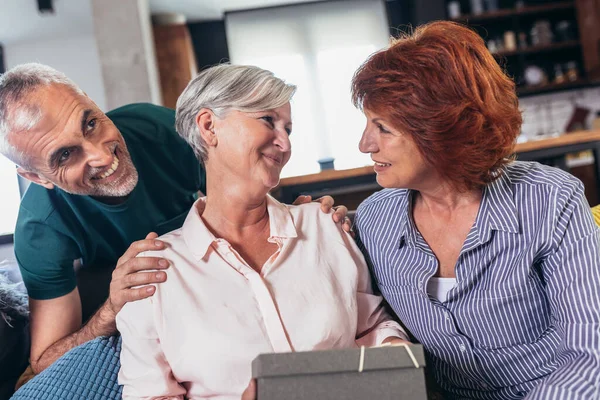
x=334 y=361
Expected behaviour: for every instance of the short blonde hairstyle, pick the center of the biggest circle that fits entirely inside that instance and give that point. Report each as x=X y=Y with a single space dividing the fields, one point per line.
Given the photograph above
x=223 y=88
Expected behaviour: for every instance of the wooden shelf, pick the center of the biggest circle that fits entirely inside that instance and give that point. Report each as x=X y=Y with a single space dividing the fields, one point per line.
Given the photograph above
x=512 y=12
x=562 y=140
x=570 y=44
x=329 y=175
x=554 y=87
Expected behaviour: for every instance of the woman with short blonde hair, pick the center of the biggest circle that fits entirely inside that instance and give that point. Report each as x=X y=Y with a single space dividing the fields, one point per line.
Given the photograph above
x=248 y=274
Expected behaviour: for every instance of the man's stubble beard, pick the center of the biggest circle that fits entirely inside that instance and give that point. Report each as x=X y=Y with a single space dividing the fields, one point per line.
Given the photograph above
x=121 y=188
x=124 y=186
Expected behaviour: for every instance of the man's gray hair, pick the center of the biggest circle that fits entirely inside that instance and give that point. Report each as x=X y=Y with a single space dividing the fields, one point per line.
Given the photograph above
x=16 y=113
x=223 y=88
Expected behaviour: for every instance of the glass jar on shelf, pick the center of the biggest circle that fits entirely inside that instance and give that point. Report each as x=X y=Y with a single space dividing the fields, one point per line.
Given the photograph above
x=522 y=40
x=541 y=33
x=476 y=7
x=572 y=71
x=559 y=77
x=510 y=41
x=454 y=9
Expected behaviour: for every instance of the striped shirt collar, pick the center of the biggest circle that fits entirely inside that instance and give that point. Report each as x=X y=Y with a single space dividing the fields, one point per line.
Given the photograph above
x=497 y=211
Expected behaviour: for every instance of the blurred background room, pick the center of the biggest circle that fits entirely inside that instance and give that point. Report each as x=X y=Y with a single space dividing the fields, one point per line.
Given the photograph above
x=124 y=51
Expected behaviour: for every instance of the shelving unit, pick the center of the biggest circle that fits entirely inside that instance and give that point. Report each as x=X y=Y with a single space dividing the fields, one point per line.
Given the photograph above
x=569 y=44
x=554 y=87
x=492 y=24
x=515 y=12
x=350 y=187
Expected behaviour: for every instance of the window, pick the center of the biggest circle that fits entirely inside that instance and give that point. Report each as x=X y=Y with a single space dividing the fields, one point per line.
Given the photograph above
x=317 y=47
x=10 y=198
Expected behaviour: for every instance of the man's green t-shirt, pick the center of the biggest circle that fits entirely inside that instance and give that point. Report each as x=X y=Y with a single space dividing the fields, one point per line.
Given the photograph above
x=55 y=228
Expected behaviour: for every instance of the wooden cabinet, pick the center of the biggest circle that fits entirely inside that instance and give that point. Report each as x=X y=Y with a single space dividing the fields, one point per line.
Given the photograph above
x=568 y=60
x=175 y=59
x=588 y=15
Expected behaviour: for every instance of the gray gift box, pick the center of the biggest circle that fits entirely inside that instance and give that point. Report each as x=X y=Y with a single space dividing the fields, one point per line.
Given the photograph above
x=382 y=373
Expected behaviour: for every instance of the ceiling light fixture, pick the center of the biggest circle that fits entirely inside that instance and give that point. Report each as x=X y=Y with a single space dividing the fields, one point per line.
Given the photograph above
x=45 y=6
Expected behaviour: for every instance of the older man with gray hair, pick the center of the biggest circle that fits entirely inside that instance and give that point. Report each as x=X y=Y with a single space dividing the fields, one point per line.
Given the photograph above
x=101 y=183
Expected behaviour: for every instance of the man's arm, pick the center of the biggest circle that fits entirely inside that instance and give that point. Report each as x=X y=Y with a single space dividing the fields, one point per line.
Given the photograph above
x=56 y=324
x=56 y=328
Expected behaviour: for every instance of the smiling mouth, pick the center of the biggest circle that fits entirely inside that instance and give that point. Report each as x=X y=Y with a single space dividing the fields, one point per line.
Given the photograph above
x=382 y=164
x=113 y=167
x=274 y=159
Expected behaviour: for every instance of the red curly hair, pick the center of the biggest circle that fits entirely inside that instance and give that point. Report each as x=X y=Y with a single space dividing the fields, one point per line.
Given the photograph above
x=442 y=86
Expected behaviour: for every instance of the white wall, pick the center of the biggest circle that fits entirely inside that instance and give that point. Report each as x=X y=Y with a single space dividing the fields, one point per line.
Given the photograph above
x=6 y=253
x=63 y=39
x=76 y=56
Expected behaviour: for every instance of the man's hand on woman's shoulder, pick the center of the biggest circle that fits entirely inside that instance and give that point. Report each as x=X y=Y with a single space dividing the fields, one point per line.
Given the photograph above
x=340 y=213
x=131 y=279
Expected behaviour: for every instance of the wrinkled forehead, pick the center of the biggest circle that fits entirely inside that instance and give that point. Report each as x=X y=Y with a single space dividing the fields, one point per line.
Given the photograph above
x=20 y=119
x=38 y=120
x=43 y=107
x=23 y=116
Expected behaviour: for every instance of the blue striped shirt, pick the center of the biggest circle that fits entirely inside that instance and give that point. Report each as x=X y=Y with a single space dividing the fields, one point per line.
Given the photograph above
x=524 y=316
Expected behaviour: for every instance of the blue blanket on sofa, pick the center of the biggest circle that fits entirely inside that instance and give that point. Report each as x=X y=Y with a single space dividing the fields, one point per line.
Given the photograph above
x=86 y=372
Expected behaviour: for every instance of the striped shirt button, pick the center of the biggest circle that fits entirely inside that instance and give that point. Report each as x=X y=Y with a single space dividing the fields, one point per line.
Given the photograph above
x=462 y=347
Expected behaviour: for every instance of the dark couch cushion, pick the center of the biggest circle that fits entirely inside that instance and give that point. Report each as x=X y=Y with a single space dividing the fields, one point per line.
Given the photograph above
x=14 y=354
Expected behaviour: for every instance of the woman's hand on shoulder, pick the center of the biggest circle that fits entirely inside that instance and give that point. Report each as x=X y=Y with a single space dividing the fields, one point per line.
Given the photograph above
x=340 y=213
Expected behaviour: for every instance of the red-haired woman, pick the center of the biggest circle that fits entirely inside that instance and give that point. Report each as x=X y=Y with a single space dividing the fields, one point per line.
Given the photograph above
x=492 y=264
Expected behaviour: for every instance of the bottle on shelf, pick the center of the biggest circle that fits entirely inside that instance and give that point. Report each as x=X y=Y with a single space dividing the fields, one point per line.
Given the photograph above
x=454 y=9
x=559 y=77
x=491 y=5
x=510 y=41
x=522 y=40
x=572 y=72
x=476 y=7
